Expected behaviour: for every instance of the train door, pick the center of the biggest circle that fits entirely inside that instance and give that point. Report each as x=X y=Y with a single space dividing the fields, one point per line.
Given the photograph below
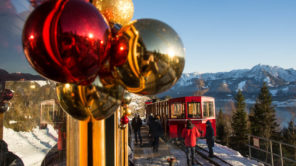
x=208 y=113
x=177 y=119
x=165 y=117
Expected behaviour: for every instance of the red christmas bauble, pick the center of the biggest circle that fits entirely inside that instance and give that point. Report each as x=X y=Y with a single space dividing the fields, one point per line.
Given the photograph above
x=7 y=95
x=124 y=120
x=66 y=41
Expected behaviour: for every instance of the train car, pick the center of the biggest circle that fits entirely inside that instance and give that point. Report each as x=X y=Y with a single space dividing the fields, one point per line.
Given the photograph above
x=175 y=112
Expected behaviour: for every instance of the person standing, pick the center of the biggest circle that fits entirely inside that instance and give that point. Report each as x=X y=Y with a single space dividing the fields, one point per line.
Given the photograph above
x=190 y=135
x=156 y=132
x=210 y=138
x=137 y=124
x=150 y=121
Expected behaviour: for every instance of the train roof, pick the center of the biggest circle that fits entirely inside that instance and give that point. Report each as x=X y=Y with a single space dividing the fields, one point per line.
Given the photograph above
x=185 y=98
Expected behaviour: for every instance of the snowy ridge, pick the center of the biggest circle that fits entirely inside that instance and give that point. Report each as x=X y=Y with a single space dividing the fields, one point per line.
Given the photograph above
x=258 y=72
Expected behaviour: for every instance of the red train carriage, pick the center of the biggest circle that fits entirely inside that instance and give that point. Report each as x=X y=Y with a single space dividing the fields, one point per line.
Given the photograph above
x=174 y=113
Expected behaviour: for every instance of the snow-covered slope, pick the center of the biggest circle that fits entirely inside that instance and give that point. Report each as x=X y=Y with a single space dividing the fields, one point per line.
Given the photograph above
x=31 y=147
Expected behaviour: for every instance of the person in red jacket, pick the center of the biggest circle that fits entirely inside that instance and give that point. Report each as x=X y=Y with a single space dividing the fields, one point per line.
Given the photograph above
x=190 y=135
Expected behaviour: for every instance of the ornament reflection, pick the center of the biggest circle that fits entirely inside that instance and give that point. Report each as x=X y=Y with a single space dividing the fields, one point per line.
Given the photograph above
x=154 y=59
x=82 y=102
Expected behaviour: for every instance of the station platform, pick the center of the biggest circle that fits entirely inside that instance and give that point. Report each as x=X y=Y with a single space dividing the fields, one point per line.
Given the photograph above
x=144 y=155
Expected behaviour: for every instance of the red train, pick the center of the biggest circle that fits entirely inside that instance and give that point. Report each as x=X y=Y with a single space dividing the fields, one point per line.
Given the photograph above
x=174 y=113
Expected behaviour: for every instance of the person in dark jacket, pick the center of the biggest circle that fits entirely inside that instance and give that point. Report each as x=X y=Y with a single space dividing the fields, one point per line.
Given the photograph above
x=190 y=135
x=210 y=138
x=137 y=124
x=150 y=121
x=156 y=132
x=8 y=158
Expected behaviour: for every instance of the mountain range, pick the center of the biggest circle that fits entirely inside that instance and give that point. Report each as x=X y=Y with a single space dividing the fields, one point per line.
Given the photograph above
x=224 y=85
x=5 y=76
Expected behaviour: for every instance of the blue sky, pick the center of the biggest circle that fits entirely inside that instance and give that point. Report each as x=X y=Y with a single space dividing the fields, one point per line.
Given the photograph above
x=222 y=35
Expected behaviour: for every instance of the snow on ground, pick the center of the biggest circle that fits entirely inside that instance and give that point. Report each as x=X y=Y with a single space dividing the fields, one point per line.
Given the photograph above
x=31 y=147
x=41 y=83
x=231 y=156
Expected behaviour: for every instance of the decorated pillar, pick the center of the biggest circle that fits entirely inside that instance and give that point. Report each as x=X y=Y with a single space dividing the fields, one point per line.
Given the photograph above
x=86 y=143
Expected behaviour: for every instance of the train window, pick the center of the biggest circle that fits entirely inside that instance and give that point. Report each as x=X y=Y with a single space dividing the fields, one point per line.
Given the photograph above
x=208 y=109
x=193 y=110
x=211 y=109
x=177 y=111
x=166 y=110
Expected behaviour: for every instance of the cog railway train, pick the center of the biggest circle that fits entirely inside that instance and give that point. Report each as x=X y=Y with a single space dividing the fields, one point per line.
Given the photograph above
x=175 y=112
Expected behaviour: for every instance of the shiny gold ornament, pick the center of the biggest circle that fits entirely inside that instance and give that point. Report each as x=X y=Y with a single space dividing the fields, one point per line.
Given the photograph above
x=127 y=98
x=127 y=111
x=116 y=11
x=94 y=100
x=152 y=57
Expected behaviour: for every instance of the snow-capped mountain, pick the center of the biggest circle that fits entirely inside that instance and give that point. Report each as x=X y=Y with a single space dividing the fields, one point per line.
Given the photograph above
x=224 y=85
x=258 y=72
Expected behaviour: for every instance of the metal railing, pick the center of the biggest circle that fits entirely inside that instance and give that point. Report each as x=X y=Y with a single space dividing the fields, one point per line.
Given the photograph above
x=271 y=152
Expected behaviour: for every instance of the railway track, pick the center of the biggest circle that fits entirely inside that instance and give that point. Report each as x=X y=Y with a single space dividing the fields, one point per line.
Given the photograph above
x=215 y=160
x=203 y=159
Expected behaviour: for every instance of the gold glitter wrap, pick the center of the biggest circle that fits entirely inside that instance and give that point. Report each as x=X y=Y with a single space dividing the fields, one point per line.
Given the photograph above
x=116 y=11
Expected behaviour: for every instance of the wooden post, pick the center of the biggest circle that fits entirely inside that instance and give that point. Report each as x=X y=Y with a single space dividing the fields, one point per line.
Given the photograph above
x=85 y=142
x=76 y=142
x=98 y=144
x=271 y=153
x=110 y=140
x=121 y=141
x=1 y=125
x=281 y=153
x=125 y=146
x=117 y=137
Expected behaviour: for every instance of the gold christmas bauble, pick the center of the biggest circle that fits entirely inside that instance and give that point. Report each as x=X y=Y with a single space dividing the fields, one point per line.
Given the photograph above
x=152 y=57
x=127 y=98
x=116 y=11
x=127 y=111
x=94 y=100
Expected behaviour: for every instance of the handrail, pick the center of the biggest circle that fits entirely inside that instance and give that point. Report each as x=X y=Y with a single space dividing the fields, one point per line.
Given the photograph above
x=293 y=146
x=271 y=153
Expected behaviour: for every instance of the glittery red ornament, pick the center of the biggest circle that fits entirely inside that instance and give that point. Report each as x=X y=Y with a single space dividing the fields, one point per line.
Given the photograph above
x=124 y=120
x=66 y=41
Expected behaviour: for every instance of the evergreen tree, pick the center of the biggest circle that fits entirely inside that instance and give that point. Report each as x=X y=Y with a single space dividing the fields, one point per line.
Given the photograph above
x=239 y=126
x=222 y=131
x=289 y=136
x=262 y=118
